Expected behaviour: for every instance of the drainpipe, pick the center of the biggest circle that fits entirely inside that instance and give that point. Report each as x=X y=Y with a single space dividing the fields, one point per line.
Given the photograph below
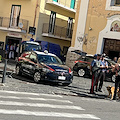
x=35 y=14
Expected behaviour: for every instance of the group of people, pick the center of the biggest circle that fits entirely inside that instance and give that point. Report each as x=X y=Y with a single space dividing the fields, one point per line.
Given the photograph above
x=12 y=51
x=99 y=67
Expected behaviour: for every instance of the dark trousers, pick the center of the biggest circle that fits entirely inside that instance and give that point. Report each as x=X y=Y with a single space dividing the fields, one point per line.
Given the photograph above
x=94 y=81
x=101 y=79
x=117 y=84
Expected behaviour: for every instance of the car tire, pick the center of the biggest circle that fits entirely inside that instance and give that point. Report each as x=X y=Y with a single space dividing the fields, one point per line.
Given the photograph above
x=81 y=72
x=17 y=70
x=37 y=77
x=113 y=78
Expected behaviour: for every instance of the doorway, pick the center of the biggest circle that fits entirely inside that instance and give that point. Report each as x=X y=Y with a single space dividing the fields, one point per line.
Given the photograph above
x=12 y=47
x=112 y=48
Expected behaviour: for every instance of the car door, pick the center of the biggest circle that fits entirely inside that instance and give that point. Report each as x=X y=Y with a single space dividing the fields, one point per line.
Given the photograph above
x=25 y=62
x=32 y=63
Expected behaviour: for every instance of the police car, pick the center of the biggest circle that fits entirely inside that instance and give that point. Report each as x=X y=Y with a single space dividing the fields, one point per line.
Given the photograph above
x=43 y=66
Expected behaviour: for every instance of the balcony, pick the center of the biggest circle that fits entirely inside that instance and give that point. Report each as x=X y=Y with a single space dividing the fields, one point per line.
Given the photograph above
x=5 y=25
x=59 y=32
x=61 y=7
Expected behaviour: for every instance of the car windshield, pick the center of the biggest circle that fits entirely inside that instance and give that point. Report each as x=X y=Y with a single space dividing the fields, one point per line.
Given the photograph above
x=48 y=59
x=29 y=47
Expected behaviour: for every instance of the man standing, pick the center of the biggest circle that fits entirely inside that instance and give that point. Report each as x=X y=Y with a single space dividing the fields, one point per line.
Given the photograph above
x=103 y=69
x=95 y=67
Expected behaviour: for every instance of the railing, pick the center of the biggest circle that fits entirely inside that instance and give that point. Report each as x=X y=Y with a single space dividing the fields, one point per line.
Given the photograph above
x=14 y=23
x=59 y=32
x=65 y=3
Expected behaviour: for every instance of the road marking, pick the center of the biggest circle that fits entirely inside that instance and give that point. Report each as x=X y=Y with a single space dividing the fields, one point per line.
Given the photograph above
x=26 y=93
x=40 y=99
x=40 y=105
x=48 y=114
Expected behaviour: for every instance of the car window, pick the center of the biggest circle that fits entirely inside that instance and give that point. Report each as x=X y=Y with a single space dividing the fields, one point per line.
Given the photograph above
x=81 y=58
x=33 y=56
x=26 y=54
x=49 y=59
x=89 y=59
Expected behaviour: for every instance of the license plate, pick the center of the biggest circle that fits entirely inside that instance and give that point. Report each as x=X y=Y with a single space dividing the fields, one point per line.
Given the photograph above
x=61 y=77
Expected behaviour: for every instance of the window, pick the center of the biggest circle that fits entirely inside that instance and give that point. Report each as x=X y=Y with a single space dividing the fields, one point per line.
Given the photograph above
x=52 y=22
x=72 y=4
x=112 y=5
x=15 y=15
x=69 y=27
x=26 y=54
x=33 y=56
x=117 y=2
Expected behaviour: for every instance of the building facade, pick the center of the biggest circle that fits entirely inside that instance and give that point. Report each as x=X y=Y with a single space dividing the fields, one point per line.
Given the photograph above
x=97 y=30
x=56 y=22
x=16 y=17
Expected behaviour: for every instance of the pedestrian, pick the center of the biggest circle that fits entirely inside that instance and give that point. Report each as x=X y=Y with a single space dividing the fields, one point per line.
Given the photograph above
x=116 y=69
x=103 y=70
x=11 y=53
x=115 y=59
x=95 y=66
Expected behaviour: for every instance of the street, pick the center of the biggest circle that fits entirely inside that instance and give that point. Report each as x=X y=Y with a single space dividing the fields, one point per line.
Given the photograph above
x=22 y=98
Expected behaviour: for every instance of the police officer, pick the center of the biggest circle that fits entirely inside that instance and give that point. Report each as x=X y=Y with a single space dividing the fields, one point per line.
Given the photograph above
x=95 y=66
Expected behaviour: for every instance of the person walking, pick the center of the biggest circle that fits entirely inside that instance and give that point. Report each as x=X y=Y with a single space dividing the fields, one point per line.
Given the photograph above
x=116 y=69
x=103 y=70
x=95 y=66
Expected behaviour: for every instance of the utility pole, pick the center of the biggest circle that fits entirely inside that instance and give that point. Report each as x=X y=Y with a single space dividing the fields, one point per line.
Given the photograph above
x=35 y=14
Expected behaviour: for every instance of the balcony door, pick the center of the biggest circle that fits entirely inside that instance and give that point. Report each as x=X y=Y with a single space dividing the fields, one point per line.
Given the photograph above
x=15 y=16
x=55 y=0
x=69 y=27
x=52 y=22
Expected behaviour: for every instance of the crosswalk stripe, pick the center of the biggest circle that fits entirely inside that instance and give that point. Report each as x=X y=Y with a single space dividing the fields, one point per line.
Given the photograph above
x=30 y=98
x=26 y=93
x=48 y=114
x=40 y=105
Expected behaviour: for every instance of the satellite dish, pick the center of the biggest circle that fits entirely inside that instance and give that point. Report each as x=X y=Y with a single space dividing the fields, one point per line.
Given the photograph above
x=20 y=25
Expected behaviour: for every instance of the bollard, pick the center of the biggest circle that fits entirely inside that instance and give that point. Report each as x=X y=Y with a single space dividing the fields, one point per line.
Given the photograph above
x=4 y=71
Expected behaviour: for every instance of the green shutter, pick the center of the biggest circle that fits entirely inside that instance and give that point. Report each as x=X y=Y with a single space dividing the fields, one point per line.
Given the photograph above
x=72 y=4
x=55 y=0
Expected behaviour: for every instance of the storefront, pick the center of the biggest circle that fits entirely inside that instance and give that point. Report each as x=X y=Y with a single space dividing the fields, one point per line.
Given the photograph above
x=11 y=45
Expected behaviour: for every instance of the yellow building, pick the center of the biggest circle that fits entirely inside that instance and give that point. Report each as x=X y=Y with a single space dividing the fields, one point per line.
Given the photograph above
x=97 y=27
x=56 y=21
x=16 y=17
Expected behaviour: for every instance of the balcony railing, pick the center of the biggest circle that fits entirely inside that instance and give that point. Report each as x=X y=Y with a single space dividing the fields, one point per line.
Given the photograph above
x=59 y=32
x=5 y=22
x=65 y=3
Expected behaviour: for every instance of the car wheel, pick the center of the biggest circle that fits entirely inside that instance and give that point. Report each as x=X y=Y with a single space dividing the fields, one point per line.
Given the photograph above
x=81 y=72
x=37 y=77
x=113 y=78
x=17 y=70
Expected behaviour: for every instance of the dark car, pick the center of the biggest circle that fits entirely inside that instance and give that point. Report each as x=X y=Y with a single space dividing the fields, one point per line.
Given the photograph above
x=44 y=66
x=82 y=66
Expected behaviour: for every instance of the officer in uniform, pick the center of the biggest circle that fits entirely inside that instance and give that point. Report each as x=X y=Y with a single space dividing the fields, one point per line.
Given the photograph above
x=95 y=68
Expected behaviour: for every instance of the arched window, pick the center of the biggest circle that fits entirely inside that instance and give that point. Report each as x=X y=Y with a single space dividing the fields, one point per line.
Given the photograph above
x=115 y=26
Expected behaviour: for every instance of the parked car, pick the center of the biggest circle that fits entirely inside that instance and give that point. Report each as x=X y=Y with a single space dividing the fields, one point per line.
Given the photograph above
x=82 y=66
x=44 y=66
